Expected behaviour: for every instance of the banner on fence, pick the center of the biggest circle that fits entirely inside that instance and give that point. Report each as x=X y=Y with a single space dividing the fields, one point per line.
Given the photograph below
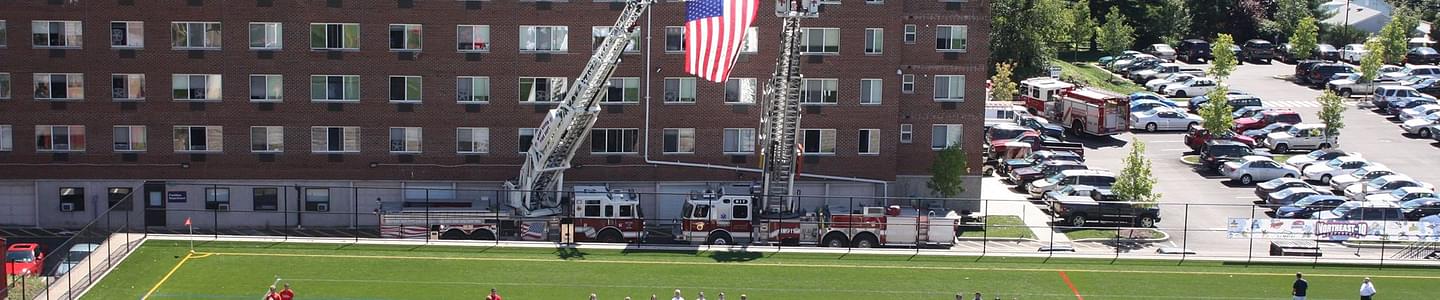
x=1332 y=230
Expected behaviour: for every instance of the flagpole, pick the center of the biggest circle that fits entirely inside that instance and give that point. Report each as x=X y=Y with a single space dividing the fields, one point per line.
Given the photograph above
x=192 y=234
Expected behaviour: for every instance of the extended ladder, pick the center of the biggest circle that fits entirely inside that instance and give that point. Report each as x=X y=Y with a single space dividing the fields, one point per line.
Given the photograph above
x=780 y=125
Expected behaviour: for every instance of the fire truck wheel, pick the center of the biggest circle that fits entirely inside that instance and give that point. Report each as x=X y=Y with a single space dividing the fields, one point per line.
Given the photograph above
x=719 y=238
x=834 y=240
x=484 y=235
x=612 y=236
x=454 y=234
x=866 y=241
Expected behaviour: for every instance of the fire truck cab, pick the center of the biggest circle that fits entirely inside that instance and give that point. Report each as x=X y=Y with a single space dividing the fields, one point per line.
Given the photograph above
x=1092 y=112
x=717 y=219
x=1040 y=93
x=606 y=215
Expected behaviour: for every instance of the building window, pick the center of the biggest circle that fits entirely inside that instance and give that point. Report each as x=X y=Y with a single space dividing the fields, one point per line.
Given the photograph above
x=598 y=34
x=622 y=90
x=127 y=35
x=130 y=139
x=195 y=35
x=195 y=87
x=405 y=37
x=674 y=39
x=907 y=133
x=265 y=36
x=267 y=139
x=869 y=142
x=544 y=38
x=821 y=91
x=334 y=36
x=50 y=86
x=335 y=87
x=7 y=138
x=317 y=199
x=909 y=33
x=266 y=87
x=472 y=89
x=118 y=198
x=405 y=139
x=820 y=40
x=199 y=139
x=739 y=141
x=949 y=87
x=871 y=91
x=950 y=38
x=59 y=137
x=127 y=87
x=752 y=36
x=740 y=91
x=334 y=139
x=217 y=198
x=907 y=83
x=265 y=198
x=541 y=89
x=72 y=199
x=405 y=88
x=874 y=1
x=680 y=90
x=4 y=85
x=472 y=140
x=613 y=140
x=472 y=38
x=55 y=34
x=526 y=138
x=4 y=34
x=679 y=140
x=874 y=40
x=818 y=141
x=945 y=135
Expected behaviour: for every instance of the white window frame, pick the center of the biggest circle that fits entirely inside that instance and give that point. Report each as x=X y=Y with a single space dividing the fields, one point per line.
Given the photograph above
x=271 y=35
x=751 y=45
x=824 y=134
x=345 y=82
x=133 y=89
x=211 y=132
x=474 y=88
x=74 y=82
x=480 y=33
x=136 y=139
x=405 y=96
x=479 y=140
x=349 y=139
x=7 y=138
x=964 y=36
x=746 y=90
x=910 y=34
x=559 y=43
x=825 y=34
x=552 y=96
x=684 y=140
x=72 y=34
x=598 y=34
x=411 y=140
x=325 y=37
x=874 y=41
x=951 y=86
x=683 y=86
x=521 y=140
x=207 y=42
x=830 y=86
x=274 y=137
x=955 y=131
x=607 y=132
x=273 y=84
x=213 y=84
x=133 y=36
x=626 y=83
x=70 y=145
x=907 y=84
x=744 y=141
x=876 y=89
x=907 y=133
x=868 y=137
x=666 y=46
x=406 y=39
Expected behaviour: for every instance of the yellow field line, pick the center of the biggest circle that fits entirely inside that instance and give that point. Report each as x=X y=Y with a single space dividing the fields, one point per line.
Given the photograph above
x=188 y=256
x=806 y=265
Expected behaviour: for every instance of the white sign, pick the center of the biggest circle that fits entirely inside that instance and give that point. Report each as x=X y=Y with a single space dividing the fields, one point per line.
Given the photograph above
x=1332 y=230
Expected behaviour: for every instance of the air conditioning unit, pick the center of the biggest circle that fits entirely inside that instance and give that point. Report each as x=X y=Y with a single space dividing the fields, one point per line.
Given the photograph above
x=222 y=206
x=67 y=206
x=322 y=207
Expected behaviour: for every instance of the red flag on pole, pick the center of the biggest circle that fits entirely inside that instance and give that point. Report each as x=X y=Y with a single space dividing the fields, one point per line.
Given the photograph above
x=187 y=221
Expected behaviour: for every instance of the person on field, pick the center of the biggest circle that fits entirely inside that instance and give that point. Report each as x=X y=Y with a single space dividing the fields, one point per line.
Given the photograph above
x=272 y=295
x=287 y=294
x=701 y=296
x=721 y=296
x=677 y=295
x=978 y=297
x=1367 y=289
x=592 y=296
x=494 y=295
x=1299 y=287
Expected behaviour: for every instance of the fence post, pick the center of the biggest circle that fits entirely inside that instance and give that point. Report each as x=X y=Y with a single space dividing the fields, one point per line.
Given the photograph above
x=1185 y=235
x=985 y=235
x=1250 y=254
x=215 y=213
x=285 y=211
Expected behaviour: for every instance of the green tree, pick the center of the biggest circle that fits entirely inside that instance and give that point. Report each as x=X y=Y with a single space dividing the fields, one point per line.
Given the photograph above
x=1332 y=109
x=1395 y=36
x=1002 y=87
x=1016 y=36
x=1081 y=26
x=1224 y=62
x=1135 y=183
x=1288 y=15
x=1370 y=63
x=1216 y=111
x=948 y=172
x=1169 y=20
x=1344 y=35
x=1304 y=40
x=1115 y=35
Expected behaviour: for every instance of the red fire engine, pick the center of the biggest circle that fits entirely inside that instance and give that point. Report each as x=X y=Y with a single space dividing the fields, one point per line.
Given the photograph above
x=1091 y=111
x=1040 y=93
x=718 y=219
x=600 y=214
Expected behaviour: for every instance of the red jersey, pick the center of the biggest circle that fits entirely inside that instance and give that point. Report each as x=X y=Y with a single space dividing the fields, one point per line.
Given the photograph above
x=287 y=294
x=493 y=297
x=272 y=296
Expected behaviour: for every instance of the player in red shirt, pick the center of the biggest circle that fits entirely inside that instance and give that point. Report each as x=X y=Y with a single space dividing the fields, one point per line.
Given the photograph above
x=272 y=295
x=493 y=295
x=287 y=294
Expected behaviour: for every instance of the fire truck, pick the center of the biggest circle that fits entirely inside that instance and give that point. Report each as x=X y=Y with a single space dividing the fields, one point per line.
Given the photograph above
x=1040 y=93
x=1091 y=111
x=536 y=201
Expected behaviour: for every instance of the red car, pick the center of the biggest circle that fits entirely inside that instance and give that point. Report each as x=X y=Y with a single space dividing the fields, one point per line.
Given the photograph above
x=23 y=259
x=1196 y=137
x=1266 y=118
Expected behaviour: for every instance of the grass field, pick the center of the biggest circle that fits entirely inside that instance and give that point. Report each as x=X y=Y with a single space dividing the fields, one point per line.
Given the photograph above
x=243 y=270
x=1095 y=77
x=1001 y=227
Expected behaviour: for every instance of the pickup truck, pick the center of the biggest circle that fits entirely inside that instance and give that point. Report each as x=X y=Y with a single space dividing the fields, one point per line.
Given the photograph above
x=1103 y=205
x=1350 y=85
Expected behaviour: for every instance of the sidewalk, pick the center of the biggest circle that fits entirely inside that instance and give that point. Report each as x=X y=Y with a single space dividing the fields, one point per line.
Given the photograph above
x=94 y=267
x=1012 y=204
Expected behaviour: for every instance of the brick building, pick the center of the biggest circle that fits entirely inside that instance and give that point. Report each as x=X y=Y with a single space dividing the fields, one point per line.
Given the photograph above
x=413 y=94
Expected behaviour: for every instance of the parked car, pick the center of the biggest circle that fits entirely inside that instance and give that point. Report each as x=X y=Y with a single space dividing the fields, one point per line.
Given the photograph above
x=1319 y=74
x=1399 y=105
x=1322 y=155
x=1022 y=177
x=1423 y=71
x=1217 y=152
x=1163 y=119
x=1275 y=185
x=1077 y=190
x=1402 y=194
x=1103 y=205
x=1237 y=102
x=1420 y=208
x=1352 y=53
x=1382 y=185
x=1122 y=63
x=1384 y=95
x=1147 y=74
x=1162 y=51
x=1194 y=86
x=1302 y=137
x=1036 y=158
x=1306 y=207
x=1267 y=117
x=1335 y=167
x=1239 y=53
x=23 y=259
x=1041 y=125
x=1194 y=51
x=1361 y=175
x=1259 y=134
x=1283 y=54
x=1249 y=169
x=1107 y=59
x=1090 y=177
x=1418 y=112
x=1196 y=138
x=1302 y=70
x=1363 y=211
x=1288 y=196
x=1257 y=50
x=77 y=253
x=1428 y=86
x=1145 y=106
x=1158 y=84
x=1422 y=56
x=1327 y=52
x=1350 y=84
x=1247 y=112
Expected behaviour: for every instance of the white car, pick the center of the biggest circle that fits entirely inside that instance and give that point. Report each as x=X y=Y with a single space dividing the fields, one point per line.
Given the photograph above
x=1193 y=87
x=1162 y=118
x=73 y=257
x=1163 y=51
x=1090 y=177
x=1366 y=174
x=1300 y=136
x=1418 y=111
x=1353 y=52
x=1421 y=126
x=1300 y=161
x=1251 y=168
x=1381 y=185
x=1402 y=195
x=1427 y=71
x=1158 y=85
x=1335 y=167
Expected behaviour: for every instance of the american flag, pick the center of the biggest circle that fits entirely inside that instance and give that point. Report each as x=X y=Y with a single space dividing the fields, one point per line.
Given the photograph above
x=714 y=32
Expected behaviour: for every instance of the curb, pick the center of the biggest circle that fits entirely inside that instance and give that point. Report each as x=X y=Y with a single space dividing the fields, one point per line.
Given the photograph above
x=981 y=239
x=1163 y=238
x=1182 y=160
